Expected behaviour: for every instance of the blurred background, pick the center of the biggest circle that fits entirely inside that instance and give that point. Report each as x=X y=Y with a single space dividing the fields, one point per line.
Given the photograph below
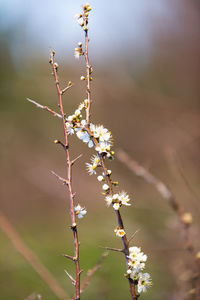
x=145 y=56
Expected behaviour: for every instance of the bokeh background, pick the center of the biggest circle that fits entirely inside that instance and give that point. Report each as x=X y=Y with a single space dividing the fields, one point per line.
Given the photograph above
x=145 y=56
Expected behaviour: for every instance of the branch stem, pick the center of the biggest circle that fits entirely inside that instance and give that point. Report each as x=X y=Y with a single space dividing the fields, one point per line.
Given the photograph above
x=68 y=179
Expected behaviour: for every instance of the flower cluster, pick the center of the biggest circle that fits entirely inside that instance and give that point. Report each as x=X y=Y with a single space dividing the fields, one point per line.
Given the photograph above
x=100 y=138
x=83 y=135
x=78 y=51
x=136 y=264
x=117 y=200
x=104 y=139
x=83 y=18
x=74 y=121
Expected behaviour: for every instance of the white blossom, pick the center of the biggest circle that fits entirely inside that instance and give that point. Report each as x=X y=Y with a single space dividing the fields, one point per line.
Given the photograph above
x=77 y=112
x=91 y=168
x=124 y=198
x=134 y=274
x=80 y=21
x=76 y=53
x=109 y=200
x=81 y=106
x=101 y=133
x=95 y=160
x=116 y=206
x=119 y=232
x=137 y=258
x=70 y=118
x=103 y=147
x=144 y=282
x=84 y=136
x=80 y=211
x=70 y=129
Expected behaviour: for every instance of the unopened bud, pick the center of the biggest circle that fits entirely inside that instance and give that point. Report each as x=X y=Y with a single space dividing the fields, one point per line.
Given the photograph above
x=56 y=141
x=191 y=292
x=187 y=218
x=82 y=78
x=198 y=255
x=100 y=178
x=56 y=65
x=109 y=172
x=85 y=28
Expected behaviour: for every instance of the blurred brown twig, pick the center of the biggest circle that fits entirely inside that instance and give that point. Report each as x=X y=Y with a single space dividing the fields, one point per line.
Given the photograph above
x=185 y=218
x=31 y=258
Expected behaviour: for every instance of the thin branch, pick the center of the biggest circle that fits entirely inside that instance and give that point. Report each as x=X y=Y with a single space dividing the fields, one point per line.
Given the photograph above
x=65 y=89
x=133 y=235
x=34 y=296
x=74 y=160
x=31 y=258
x=68 y=180
x=63 y=180
x=91 y=272
x=45 y=108
x=69 y=257
x=112 y=249
x=140 y=171
x=60 y=143
x=175 y=161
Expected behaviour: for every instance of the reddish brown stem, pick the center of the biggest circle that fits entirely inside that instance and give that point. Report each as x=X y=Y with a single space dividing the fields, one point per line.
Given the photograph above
x=69 y=181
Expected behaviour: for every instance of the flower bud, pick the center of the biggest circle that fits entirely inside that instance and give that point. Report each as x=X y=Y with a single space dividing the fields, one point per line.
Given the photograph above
x=56 y=66
x=187 y=218
x=105 y=187
x=100 y=178
x=109 y=172
x=198 y=255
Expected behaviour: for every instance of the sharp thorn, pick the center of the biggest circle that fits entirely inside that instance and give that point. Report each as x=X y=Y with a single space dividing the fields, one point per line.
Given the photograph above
x=70 y=277
x=74 y=160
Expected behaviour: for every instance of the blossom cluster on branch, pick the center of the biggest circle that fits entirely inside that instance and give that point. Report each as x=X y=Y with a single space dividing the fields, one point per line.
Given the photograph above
x=100 y=139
